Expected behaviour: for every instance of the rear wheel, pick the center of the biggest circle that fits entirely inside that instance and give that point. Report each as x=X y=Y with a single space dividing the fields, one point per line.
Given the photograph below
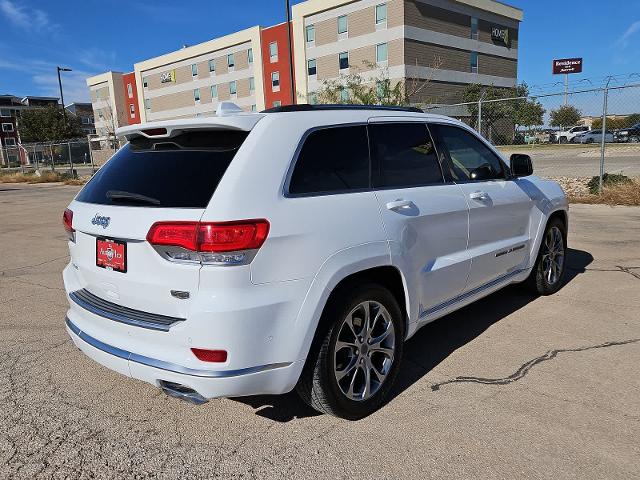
x=548 y=271
x=351 y=370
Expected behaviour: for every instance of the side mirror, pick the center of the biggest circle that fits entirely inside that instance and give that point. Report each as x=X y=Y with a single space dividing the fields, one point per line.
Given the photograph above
x=521 y=165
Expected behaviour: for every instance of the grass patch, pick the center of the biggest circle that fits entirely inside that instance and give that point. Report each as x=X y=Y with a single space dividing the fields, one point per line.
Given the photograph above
x=44 y=177
x=617 y=192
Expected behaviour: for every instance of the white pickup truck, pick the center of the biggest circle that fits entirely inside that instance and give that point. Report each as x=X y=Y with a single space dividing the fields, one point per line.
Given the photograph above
x=568 y=136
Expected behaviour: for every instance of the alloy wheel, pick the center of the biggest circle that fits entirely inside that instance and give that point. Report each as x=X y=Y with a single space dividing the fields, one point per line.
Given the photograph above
x=553 y=256
x=364 y=351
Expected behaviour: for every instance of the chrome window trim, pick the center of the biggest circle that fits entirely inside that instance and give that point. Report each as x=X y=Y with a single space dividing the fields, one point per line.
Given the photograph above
x=167 y=366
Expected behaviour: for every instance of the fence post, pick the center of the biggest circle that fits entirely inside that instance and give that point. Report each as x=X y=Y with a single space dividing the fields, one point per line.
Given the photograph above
x=93 y=168
x=53 y=160
x=604 y=134
x=70 y=159
x=480 y=116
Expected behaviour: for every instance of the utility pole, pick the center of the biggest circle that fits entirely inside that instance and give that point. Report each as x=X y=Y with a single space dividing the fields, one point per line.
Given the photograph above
x=291 y=75
x=64 y=112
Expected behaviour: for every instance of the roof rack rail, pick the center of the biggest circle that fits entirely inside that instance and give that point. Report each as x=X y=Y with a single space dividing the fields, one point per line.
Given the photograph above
x=304 y=107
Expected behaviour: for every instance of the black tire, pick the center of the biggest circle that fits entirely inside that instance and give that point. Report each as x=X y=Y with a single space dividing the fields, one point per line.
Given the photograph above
x=563 y=140
x=538 y=280
x=318 y=385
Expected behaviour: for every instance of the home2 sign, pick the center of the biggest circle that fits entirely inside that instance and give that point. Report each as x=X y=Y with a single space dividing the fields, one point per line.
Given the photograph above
x=500 y=34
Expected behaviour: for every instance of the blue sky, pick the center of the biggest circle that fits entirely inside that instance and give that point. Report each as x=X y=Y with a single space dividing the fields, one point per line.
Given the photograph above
x=92 y=36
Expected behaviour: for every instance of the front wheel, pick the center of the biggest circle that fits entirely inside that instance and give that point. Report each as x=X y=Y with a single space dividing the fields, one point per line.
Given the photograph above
x=357 y=361
x=548 y=271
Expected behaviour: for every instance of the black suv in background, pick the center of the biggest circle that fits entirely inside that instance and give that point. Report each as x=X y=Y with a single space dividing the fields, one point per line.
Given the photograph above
x=631 y=134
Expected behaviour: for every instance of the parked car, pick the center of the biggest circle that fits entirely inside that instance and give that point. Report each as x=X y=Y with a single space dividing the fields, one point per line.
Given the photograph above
x=595 y=136
x=631 y=134
x=568 y=136
x=297 y=248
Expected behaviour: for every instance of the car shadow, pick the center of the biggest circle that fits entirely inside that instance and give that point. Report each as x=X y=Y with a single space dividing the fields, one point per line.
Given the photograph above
x=432 y=344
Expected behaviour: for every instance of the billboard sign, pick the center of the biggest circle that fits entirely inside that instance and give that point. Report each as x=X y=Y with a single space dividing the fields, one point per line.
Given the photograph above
x=500 y=34
x=567 y=65
x=168 y=77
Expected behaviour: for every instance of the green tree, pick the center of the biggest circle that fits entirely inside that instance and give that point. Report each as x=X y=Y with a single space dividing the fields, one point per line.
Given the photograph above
x=565 y=116
x=48 y=125
x=525 y=111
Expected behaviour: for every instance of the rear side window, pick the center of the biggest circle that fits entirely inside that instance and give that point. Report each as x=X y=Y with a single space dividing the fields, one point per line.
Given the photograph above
x=403 y=156
x=471 y=159
x=181 y=172
x=332 y=160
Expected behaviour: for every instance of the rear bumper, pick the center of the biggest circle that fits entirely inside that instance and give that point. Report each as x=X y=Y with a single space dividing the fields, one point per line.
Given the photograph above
x=262 y=379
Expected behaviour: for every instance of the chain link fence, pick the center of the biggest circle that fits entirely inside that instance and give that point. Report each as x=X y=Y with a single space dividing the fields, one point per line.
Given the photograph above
x=563 y=131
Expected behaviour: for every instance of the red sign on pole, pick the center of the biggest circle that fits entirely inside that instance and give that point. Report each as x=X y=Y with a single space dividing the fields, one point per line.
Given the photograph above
x=567 y=65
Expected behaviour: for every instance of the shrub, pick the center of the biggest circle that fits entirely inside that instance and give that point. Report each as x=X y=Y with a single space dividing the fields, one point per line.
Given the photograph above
x=608 y=180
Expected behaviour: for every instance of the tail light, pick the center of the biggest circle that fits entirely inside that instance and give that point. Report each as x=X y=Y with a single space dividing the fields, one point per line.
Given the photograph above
x=213 y=356
x=225 y=243
x=67 y=222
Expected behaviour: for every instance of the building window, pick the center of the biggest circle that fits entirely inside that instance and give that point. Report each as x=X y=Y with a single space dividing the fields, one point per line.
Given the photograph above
x=310 y=34
x=214 y=91
x=145 y=82
x=343 y=25
x=132 y=110
x=212 y=66
x=381 y=14
x=275 y=81
x=474 y=62
x=7 y=127
x=250 y=56
x=343 y=59
x=252 y=84
x=233 y=88
x=382 y=53
x=130 y=90
x=10 y=142
x=312 y=67
x=5 y=112
x=194 y=70
x=277 y=103
x=147 y=105
x=273 y=52
x=344 y=95
x=196 y=94
x=474 y=28
x=254 y=108
x=312 y=98
x=231 y=61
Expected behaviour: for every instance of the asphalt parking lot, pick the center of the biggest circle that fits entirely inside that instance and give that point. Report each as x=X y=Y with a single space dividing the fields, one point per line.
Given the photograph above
x=510 y=387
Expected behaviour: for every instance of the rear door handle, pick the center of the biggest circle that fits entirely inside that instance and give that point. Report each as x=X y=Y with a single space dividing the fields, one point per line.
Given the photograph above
x=399 y=205
x=480 y=196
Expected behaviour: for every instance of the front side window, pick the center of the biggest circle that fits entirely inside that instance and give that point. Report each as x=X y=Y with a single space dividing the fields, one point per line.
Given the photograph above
x=382 y=53
x=250 y=56
x=196 y=94
x=474 y=28
x=275 y=79
x=132 y=110
x=145 y=82
x=233 y=88
x=130 y=90
x=147 y=106
x=10 y=142
x=214 y=91
x=332 y=160
x=194 y=70
x=343 y=24
x=252 y=84
x=310 y=34
x=277 y=103
x=231 y=60
x=381 y=13
x=7 y=127
x=212 y=65
x=343 y=59
x=312 y=67
x=403 y=155
x=470 y=159
x=273 y=51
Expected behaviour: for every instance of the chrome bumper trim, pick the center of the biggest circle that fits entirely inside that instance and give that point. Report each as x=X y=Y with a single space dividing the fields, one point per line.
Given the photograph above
x=168 y=366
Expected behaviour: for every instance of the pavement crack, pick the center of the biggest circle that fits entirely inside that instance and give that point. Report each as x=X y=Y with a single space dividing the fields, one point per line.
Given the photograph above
x=527 y=366
x=24 y=267
x=628 y=270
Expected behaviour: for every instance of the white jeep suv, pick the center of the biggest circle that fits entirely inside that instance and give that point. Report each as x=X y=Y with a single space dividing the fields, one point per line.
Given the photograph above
x=297 y=248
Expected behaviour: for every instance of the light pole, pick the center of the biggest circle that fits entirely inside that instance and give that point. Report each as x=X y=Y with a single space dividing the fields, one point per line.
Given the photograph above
x=62 y=69
x=293 y=87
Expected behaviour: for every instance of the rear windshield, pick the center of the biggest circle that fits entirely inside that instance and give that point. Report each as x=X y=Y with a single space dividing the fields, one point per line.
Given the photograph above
x=181 y=172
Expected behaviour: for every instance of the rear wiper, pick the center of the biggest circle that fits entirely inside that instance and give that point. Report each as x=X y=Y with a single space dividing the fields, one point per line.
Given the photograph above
x=134 y=197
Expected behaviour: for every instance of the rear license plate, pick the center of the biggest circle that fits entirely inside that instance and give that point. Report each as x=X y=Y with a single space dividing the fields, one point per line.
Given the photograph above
x=111 y=255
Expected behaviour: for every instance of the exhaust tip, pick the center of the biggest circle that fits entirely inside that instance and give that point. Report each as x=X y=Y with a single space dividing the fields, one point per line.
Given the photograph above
x=181 y=392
